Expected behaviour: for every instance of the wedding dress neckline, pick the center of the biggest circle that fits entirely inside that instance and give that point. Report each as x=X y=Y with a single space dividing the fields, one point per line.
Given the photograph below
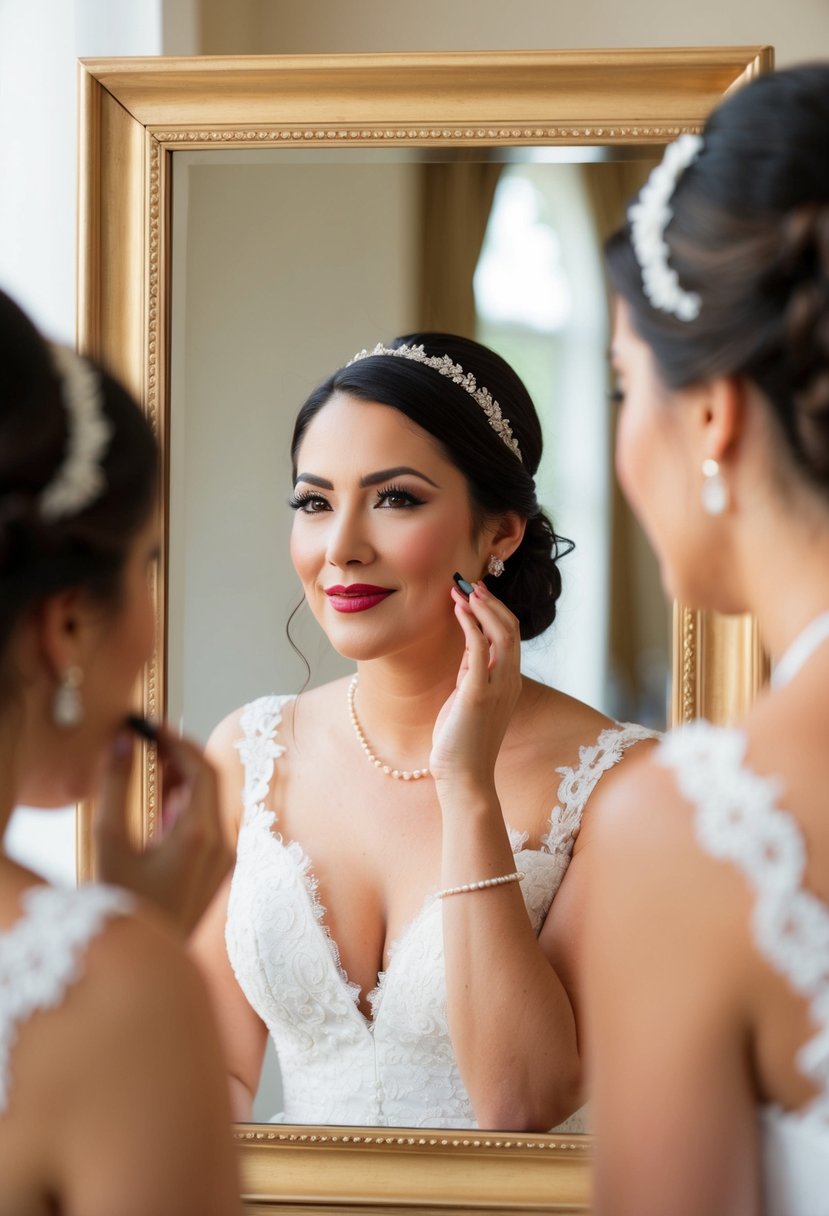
x=392 y=1061
x=574 y=789
x=800 y=650
x=305 y=866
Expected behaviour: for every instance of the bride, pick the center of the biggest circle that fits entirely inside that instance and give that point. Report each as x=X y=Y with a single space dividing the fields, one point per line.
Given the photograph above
x=405 y=917
x=711 y=1068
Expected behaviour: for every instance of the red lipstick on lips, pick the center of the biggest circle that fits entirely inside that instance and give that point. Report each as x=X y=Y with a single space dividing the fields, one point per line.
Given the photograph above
x=356 y=597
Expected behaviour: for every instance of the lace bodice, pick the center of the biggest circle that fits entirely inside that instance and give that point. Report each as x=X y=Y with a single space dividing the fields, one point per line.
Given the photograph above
x=737 y=818
x=398 y=1067
x=41 y=955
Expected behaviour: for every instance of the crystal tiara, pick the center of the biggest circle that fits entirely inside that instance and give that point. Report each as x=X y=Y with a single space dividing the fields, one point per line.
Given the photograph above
x=649 y=217
x=79 y=479
x=444 y=365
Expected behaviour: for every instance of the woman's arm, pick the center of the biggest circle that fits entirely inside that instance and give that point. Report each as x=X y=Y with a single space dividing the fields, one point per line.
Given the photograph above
x=666 y=965
x=511 y=1017
x=243 y=1034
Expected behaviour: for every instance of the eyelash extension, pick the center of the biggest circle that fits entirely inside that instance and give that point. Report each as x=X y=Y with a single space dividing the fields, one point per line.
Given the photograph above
x=411 y=499
x=297 y=501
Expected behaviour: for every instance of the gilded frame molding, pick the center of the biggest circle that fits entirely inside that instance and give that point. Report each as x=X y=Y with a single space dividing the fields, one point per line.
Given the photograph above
x=134 y=115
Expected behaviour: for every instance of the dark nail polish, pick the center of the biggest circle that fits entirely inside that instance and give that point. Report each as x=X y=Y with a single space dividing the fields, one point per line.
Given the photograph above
x=463 y=586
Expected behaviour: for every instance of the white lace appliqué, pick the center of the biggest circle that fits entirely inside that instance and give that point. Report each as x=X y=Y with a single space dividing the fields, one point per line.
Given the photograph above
x=397 y=1067
x=578 y=783
x=41 y=955
x=737 y=819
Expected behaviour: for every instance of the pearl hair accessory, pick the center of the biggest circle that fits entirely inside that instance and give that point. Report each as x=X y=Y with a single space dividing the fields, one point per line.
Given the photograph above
x=500 y=881
x=714 y=490
x=397 y=773
x=495 y=565
x=79 y=478
x=444 y=365
x=649 y=217
x=67 y=706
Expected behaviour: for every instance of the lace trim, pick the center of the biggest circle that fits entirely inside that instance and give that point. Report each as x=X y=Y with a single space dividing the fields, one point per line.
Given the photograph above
x=41 y=955
x=259 y=751
x=578 y=783
x=736 y=819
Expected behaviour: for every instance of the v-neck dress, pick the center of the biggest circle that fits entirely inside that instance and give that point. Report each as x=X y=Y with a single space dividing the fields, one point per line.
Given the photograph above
x=398 y=1067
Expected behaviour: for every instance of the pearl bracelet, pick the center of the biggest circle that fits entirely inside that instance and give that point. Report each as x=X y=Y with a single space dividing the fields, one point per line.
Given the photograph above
x=500 y=881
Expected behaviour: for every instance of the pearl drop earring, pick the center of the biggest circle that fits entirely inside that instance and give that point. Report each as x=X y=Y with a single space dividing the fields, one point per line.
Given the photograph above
x=67 y=706
x=715 y=497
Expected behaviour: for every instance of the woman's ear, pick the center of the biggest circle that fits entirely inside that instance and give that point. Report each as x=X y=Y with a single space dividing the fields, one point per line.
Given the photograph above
x=60 y=630
x=507 y=533
x=719 y=417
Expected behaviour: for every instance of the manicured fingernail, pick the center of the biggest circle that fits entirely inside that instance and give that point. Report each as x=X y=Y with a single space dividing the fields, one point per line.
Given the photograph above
x=463 y=586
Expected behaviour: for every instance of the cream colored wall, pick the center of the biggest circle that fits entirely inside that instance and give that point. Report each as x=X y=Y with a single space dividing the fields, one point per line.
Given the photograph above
x=255 y=329
x=798 y=29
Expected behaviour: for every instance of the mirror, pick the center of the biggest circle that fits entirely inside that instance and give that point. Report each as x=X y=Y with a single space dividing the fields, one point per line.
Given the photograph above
x=287 y=262
x=166 y=143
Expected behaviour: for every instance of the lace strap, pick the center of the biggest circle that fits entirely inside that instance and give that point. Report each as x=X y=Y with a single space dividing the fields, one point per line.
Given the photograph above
x=577 y=784
x=258 y=750
x=737 y=819
x=41 y=954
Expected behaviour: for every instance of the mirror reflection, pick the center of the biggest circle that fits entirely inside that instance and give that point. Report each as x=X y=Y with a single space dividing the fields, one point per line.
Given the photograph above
x=286 y=264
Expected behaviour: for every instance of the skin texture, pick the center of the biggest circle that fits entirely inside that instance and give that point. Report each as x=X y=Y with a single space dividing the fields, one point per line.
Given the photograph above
x=439 y=682
x=689 y=1029
x=128 y=1065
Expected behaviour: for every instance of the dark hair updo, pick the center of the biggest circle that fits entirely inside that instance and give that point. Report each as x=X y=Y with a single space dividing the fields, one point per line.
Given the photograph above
x=498 y=480
x=750 y=235
x=86 y=548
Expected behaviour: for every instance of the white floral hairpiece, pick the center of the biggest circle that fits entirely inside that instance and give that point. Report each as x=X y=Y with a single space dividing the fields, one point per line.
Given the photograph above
x=649 y=217
x=444 y=365
x=79 y=478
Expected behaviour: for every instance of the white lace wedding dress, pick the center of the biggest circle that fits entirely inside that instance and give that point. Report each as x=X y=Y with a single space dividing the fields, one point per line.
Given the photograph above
x=397 y=1068
x=41 y=956
x=738 y=820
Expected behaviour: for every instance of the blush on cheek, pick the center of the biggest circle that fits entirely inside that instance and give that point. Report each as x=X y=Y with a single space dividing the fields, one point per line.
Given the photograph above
x=423 y=547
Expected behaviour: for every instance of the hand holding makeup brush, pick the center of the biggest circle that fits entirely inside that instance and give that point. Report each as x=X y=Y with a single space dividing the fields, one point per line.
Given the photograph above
x=181 y=871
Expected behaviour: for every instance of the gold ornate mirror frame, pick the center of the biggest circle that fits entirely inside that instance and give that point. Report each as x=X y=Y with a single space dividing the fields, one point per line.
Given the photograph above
x=134 y=115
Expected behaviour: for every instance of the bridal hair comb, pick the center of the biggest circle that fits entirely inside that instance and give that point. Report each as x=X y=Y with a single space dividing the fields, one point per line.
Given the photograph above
x=79 y=478
x=649 y=217
x=444 y=365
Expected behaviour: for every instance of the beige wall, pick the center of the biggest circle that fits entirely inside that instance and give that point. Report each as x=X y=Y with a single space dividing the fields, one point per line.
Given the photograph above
x=798 y=29
x=281 y=273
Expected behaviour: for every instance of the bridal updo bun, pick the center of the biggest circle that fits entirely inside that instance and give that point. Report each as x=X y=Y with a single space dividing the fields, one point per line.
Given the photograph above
x=499 y=481
x=750 y=235
x=41 y=555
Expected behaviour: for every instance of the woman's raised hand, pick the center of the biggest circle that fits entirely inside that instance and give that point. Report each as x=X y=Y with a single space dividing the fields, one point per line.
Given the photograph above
x=182 y=871
x=471 y=725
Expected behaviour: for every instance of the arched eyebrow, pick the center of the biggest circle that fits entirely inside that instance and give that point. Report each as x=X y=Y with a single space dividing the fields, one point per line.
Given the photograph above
x=370 y=479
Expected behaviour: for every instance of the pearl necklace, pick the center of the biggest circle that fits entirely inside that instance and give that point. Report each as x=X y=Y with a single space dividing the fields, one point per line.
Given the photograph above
x=801 y=650
x=397 y=773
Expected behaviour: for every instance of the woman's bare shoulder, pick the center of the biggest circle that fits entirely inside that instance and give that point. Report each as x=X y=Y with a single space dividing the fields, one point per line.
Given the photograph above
x=225 y=736
x=557 y=715
x=130 y=1055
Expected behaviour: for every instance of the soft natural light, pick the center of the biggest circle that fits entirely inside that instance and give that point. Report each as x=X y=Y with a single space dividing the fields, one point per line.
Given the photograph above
x=519 y=278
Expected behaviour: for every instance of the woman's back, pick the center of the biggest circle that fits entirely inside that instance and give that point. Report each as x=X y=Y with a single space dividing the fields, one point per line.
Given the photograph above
x=730 y=842
x=104 y=1043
